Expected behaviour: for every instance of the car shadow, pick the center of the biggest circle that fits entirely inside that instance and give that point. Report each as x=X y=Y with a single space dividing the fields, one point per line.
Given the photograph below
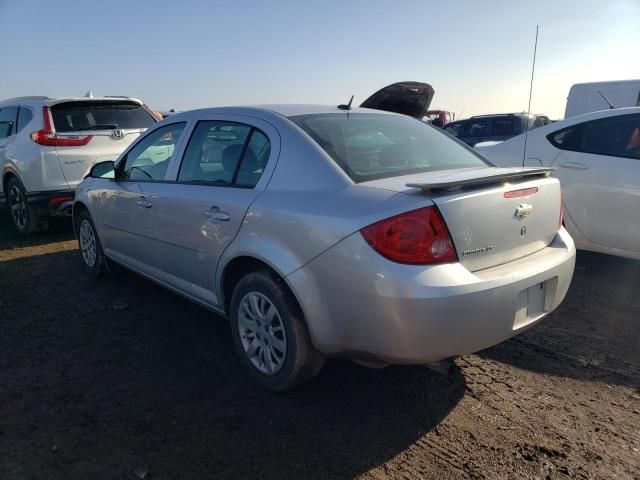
x=113 y=374
x=594 y=333
x=60 y=229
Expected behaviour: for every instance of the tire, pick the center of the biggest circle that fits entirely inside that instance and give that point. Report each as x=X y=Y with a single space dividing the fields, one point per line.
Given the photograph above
x=275 y=347
x=25 y=220
x=91 y=252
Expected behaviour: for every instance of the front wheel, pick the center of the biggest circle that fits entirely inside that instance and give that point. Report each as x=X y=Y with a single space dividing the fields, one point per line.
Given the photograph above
x=90 y=247
x=270 y=334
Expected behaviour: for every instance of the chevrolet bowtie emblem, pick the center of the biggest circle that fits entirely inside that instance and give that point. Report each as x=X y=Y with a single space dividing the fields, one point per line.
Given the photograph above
x=524 y=210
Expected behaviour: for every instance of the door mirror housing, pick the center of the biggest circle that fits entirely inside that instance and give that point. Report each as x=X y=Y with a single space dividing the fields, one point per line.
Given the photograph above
x=103 y=170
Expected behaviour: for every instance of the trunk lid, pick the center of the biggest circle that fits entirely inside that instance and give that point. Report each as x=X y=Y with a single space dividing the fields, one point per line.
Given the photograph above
x=407 y=98
x=494 y=215
x=112 y=124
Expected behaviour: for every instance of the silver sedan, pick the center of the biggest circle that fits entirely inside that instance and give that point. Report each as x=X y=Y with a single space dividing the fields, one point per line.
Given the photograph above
x=323 y=231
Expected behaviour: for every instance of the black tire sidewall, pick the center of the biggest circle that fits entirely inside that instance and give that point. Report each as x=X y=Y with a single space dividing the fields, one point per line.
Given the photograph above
x=292 y=320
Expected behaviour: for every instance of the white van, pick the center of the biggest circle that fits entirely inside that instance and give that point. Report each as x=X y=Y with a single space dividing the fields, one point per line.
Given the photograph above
x=590 y=97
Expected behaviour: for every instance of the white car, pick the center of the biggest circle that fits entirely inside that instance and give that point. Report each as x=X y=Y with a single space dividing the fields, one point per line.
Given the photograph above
x=48 y=145
x=597 y=159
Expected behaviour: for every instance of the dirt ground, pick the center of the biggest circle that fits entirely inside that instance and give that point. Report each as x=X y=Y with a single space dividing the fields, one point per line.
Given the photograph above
x=116 y=378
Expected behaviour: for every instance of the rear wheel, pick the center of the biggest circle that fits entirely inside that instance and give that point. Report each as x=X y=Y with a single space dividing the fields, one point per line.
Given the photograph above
x=90 y=247
x=270 y=334
x=24 y=218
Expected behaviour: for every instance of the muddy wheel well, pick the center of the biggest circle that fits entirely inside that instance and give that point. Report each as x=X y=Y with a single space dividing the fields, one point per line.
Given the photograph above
x=77 y=208
x=235 y=270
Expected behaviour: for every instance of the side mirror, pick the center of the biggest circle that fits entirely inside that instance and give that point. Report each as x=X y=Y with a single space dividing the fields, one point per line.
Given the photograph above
x=103 y=170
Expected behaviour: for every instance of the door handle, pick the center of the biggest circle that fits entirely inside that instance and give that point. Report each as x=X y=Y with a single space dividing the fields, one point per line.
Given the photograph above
x=574 y=165
x=215 y=214
x=144 y=203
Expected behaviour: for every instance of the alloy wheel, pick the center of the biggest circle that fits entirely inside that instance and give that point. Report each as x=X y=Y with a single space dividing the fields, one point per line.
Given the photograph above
x=18 y=205
x=262 y=333
x=88 y=243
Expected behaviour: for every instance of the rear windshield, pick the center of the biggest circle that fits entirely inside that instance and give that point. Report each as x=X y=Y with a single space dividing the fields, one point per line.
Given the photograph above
x=100 y=115
x=369 y=146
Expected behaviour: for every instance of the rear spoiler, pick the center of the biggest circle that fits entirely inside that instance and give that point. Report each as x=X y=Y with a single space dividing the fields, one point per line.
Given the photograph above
x=475 y=181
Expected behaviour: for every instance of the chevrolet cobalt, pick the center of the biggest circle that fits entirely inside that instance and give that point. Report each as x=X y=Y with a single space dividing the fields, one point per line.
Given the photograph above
x=323 y=231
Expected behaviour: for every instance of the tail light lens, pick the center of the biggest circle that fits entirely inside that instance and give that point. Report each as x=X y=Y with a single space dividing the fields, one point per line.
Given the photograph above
x=47 y=136
x=419 y=237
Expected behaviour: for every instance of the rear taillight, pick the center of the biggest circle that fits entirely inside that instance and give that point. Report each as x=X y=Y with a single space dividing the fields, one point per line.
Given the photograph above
x=47 y=136
x=419 y=237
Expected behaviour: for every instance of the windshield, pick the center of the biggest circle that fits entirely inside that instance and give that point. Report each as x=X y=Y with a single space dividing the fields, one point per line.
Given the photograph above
x=368 y=146
x=100 y=115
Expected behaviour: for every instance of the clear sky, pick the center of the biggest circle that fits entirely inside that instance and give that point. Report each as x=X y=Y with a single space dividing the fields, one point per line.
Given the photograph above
x=187 y=54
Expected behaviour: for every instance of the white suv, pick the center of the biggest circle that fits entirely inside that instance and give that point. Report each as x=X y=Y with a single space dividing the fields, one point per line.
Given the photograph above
x=48 y=145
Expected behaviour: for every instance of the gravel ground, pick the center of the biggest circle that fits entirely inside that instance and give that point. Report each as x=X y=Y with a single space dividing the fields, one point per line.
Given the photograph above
x=117 y=378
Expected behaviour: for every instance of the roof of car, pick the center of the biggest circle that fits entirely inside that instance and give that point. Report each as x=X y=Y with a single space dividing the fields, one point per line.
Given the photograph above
x=517 y=114
x=286 y=110
x=30 y=100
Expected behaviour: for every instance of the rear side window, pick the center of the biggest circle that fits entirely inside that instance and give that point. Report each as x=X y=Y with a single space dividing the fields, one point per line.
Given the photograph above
x=368 y=146
x=100 y=115
x=453 y=129
x=614 y=136
x=477 y=128
x=24 y=117
x=8 y=121
x=567 y=138
x=224 y=154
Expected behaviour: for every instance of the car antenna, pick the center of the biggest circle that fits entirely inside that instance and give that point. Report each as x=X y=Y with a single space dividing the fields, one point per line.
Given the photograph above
x=611 y=105
x=347 y=106
x=533 y=69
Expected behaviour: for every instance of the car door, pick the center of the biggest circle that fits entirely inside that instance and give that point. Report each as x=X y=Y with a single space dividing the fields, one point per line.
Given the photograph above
x=599 y=169
x=127 y=207
x=225 y=166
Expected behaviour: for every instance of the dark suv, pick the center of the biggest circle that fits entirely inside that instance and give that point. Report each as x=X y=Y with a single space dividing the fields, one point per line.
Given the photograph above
x=498 y=127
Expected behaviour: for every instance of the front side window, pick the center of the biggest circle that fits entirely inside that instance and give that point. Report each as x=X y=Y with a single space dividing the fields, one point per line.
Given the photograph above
x=368 y=146
x=223 y=154
x=503 y=126
x=148 y=160
x=8 y=121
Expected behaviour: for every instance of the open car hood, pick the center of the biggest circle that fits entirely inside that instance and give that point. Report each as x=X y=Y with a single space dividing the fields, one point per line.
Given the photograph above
x=407 y=98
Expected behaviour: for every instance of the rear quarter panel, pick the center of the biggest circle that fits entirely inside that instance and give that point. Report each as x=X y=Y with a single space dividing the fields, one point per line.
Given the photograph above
x=287 y=229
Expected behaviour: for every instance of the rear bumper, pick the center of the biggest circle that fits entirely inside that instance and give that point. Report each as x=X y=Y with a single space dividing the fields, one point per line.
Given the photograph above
x=360 y=305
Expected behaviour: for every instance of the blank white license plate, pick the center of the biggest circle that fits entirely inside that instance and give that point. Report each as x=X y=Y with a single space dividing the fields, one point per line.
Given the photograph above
x=535 y=299
x=532 y=303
